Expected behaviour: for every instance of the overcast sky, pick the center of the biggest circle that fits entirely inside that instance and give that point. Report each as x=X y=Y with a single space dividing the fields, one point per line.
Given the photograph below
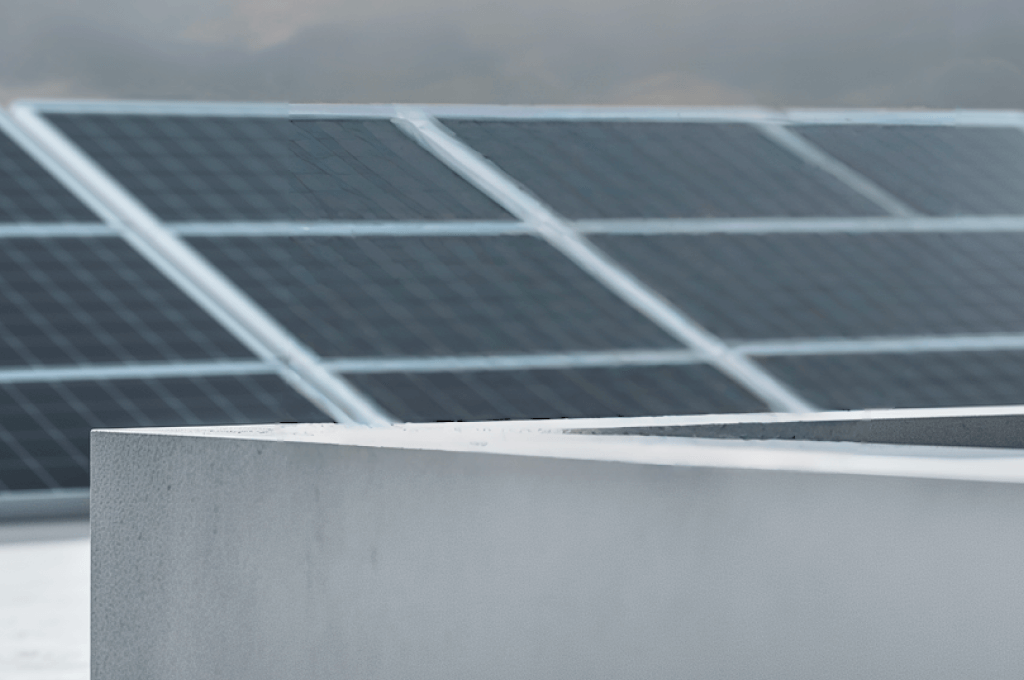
x=934 y=53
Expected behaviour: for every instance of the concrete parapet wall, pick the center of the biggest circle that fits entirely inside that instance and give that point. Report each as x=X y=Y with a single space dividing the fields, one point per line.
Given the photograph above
x=283 y=552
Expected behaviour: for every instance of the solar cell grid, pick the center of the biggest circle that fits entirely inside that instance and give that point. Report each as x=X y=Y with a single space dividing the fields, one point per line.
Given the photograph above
x=390 y=296
x=835 y=284
x=557 y=393
x=44 y=427
x=592 y=169
x=28 y=193
x=78 y=301
x=939 y=170
x=210 y=168
x=920 y=380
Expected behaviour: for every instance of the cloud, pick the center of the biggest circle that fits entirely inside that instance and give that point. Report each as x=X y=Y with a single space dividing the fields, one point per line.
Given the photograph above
x=771 y=52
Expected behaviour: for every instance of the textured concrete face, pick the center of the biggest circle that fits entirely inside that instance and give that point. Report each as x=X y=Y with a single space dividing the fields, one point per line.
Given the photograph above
x=249 y=558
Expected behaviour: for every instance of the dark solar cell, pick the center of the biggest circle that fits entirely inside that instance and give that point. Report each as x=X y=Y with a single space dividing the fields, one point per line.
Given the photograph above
x=835 y=285
x=77 y=301
x=430 y=296
x=933 y=379
x=44 y=427
x=658 y=170
x=566 y=393
x=939 y=170
x=28 y=193
x=195 y=168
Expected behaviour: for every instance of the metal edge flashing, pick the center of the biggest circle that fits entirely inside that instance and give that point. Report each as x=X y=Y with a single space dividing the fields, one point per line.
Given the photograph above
x=947 y=117
x=327 y=110
x=792 y=116
x=802 y=225
x=44 y=504
x=506 y=192
x=213 y=291
x=388 y=111
x=695 y=114
x=153 y=107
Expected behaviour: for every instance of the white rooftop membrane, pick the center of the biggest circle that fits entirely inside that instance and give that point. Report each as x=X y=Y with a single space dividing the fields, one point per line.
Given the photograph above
x=44 y=601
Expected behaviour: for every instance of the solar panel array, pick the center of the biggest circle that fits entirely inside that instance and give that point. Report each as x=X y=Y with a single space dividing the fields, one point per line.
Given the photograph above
x=92 y=334
x=475 y=264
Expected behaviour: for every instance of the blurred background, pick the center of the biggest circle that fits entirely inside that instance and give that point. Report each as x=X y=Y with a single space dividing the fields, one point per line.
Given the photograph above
x=779 y=53
x=899 y=53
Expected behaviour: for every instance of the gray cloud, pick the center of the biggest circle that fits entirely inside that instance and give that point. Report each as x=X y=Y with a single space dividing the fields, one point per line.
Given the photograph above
x=774 y=52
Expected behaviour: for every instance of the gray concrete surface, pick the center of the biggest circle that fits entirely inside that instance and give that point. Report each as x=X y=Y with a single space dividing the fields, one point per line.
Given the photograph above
x=310 y=552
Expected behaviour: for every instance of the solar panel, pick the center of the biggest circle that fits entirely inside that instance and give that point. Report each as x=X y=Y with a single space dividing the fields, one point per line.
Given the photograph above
x=44 y=427
x=210 y=168
x=28 y=193
x=557 y=393
x=939 y=170
x=590 y=169
x=391 y=296
x=95 y=300
x=835 y=284
x=932 y=379
x=415 y=315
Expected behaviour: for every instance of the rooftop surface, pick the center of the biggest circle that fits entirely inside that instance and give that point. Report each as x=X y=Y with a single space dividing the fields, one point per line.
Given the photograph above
x=44 y=602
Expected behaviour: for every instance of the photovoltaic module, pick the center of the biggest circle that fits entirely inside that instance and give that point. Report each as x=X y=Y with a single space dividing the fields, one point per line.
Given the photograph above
x=200 y=264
